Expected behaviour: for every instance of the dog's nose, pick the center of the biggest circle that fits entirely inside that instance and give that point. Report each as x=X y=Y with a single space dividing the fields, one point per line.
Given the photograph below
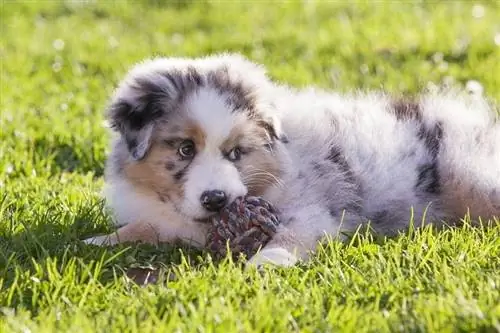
x=213 y=200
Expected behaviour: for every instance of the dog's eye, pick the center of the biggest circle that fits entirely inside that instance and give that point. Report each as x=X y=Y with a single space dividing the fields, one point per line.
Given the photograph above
x=186 y=149
x=235 y=154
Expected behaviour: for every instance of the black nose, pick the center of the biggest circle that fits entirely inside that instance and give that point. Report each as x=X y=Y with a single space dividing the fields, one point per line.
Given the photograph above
x=213 y=200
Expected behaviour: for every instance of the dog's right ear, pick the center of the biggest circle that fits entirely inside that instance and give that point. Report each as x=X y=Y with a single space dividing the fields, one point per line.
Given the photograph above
x=134 y=111
x=134 y=125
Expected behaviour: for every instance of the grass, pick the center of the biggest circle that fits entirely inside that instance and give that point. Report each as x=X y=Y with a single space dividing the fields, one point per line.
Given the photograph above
x=61 y=60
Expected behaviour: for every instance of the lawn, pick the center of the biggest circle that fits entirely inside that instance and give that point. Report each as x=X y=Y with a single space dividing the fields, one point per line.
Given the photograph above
x=60 y=60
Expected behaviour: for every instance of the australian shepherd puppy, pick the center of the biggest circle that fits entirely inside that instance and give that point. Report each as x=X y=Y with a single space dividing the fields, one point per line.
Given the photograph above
x=194 y=134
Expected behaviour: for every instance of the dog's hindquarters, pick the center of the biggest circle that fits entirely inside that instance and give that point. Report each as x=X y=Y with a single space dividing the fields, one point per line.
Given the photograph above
x=469 y=157
x=470 y=169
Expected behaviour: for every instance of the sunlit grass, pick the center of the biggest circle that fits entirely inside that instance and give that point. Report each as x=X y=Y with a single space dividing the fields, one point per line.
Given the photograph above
x=61 y=60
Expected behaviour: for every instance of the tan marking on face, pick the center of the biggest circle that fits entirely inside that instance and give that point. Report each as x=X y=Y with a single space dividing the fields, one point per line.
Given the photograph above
x=247 y=135
x=258 y=168
x=181 y=127
x=151 y=173
x=194 y=132
x=259 y=171
x=155 y=173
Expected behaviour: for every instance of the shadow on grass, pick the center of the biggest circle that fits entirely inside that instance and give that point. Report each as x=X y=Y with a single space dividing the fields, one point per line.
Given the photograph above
x=39 y=249
x=69 y=157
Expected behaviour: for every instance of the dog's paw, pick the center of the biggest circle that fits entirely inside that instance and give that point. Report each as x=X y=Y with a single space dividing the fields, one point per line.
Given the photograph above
x=276 y=256
x=99 y=240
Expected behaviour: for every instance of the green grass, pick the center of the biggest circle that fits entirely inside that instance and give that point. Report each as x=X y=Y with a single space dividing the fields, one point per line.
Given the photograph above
x=61 y=60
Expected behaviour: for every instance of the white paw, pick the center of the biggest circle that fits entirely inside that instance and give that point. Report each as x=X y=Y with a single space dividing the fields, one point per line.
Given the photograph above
x=98 y=240
x=275 y=256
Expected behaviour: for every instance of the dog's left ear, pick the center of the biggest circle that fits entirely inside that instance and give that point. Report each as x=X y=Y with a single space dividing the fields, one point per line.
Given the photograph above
x=273 y=127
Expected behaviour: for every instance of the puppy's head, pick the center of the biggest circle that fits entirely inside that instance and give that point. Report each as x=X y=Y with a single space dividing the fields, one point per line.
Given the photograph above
x=196 y=132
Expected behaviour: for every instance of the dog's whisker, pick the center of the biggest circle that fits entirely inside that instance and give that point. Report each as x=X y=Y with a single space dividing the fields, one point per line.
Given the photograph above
x=268 y=176
x=259 y=171
x=263 y=176
x=261 y=182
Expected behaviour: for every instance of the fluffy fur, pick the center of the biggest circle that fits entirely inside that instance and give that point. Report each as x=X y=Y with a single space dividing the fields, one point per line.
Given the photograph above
x=328 y=162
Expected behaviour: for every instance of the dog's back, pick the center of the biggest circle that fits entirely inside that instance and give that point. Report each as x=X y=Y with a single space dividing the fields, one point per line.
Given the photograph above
x=386 y=160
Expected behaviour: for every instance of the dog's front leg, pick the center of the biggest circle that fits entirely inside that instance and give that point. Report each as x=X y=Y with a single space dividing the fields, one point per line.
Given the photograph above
x=285 y=249
x=192 y=233
x=133 y=232
x=299 y=236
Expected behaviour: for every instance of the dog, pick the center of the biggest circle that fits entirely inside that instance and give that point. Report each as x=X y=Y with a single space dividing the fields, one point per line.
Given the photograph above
x=193 y=134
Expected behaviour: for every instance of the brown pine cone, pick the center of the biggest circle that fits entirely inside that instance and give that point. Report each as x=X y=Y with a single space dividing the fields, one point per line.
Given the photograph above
x=244 y=226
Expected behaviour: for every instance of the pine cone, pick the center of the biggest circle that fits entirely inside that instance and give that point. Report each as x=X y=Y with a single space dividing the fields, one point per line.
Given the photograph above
x=244 y=226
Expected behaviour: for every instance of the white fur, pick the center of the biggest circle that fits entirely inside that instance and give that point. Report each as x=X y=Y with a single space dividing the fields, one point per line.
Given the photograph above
x=208 y=108
x=274 y=256
x=210 y=172
x=130 y=206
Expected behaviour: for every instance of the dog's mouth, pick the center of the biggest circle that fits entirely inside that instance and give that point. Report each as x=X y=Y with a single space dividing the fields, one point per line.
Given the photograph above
x=203 y=220
x=208 y=218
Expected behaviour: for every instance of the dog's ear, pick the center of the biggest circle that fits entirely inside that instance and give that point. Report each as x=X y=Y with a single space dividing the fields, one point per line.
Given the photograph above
x=273 y=127
x=134 y=128
x=150 y=91
x=134 y=112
